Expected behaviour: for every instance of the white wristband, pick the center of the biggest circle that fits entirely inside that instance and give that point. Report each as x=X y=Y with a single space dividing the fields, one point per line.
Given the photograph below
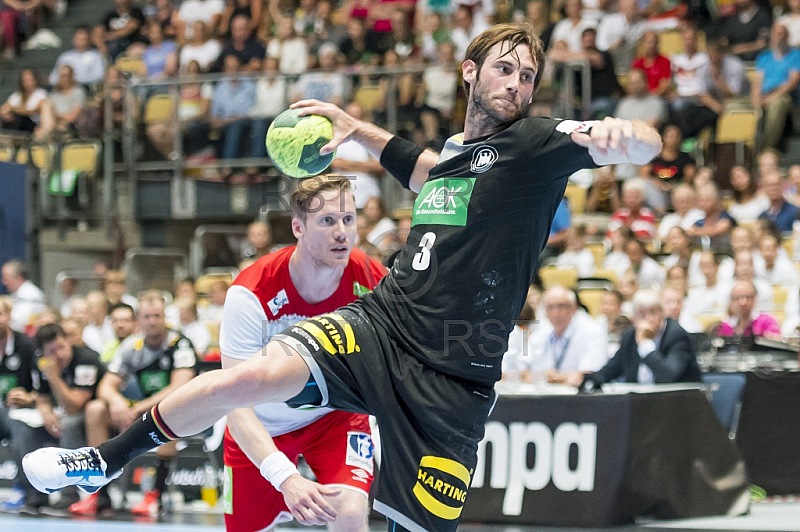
x=277 y=468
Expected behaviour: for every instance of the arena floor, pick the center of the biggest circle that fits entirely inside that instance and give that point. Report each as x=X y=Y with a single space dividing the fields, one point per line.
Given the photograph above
x=763 y=517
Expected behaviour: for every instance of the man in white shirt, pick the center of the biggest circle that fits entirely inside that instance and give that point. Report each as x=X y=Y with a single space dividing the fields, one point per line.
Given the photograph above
x=358 y=165
x=572 y=343
x=771 y=267
x=566 y=38
x=207 y=11
x=686 y=213
x=619 y=32
x=26 y=298
x=688 y=69
x=87 y=64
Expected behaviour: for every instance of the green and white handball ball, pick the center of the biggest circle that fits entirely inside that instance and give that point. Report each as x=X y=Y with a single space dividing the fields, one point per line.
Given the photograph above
x=294 y=141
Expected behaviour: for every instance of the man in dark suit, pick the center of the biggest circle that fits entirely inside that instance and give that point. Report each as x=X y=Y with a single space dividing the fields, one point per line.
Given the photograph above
x=656 y=350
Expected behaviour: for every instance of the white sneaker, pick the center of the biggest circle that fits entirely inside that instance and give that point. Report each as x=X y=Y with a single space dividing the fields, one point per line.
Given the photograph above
x=50 y=469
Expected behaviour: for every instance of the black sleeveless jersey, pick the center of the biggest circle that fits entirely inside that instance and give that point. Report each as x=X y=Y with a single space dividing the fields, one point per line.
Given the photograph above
x=479 y=224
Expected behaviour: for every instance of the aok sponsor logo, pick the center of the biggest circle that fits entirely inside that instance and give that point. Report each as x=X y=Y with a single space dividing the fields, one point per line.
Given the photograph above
x=442 y=486
x=511 y=470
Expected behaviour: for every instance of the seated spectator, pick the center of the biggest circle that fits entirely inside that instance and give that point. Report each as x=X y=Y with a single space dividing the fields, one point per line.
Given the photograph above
x=27 y=299
x=115 y=287
x=202 y=49
x=10 y=29
x=433 y=33
x=678 y=279
x=605 y=89
x=69 y=292
x=687 y=70
x=191 y=328
x=247 y=50
x=628 y=287
x=672 y=302
x=619 y=32
x=657 y=350
x=767 y=162
x=570 y=342
x=791 y=20
x=610 y=309
x=16 y=392
x=290 y=49
x=326 y=84
x=723 y=78
x=259 y=241
x=357 y=47
x=354 y=161
x=656 y=67
x=436 y=96
x=233 y=8
x=465 y=28
x=184 y=289
x=98 y=330
x=165 y=15
x=68 y=100
x=88 y=65
x=633 y=213
x=160 y=57
x=568 y=34
x=558 y=232
x=712 y=295
x=746 y=31
x=717 y=223
x=777 y=75
x=123 y=322
x=780 y=211
x=519 y=358
x=209 y=12
x=73 y=332
x=271 y=101
x=744 y=320
x=362 y=237
x=233 y=99
x=616 y=258
x=639 y=103
x=670 y=168
x=744 y=270
x=22 y=111
x=97 y=36
x=381 y=227
x=401 y=39
x=684 y=200
x=649 y=274
x=771 y=267
x=123 y=27
x=212 y=313
x=747 y=202
x=65 y=379
x=325 y=28
x=604 y=193
x=679 y=246
x=742 y=239
x=160 y=360
x=576 y=255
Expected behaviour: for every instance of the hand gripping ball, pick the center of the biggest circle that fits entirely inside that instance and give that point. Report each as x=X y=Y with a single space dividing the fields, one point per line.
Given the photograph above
x=294 y=141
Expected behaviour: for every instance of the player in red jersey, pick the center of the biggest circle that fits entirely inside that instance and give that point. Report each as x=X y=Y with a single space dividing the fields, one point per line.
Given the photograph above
x=320 y=274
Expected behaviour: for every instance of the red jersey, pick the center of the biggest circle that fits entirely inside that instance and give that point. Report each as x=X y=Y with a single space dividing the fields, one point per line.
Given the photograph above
x=656 y=70
x=644 y=225
x=263 y=301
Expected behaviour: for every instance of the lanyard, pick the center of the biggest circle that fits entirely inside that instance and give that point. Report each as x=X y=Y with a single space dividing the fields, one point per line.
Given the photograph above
x=560 y=358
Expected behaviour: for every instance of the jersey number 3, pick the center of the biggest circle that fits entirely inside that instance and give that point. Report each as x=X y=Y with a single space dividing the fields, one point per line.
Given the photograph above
x=423 y=258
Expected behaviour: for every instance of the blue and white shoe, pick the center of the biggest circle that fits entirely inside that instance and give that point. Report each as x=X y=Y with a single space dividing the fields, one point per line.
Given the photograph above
x=50 y=469
x=14 y=502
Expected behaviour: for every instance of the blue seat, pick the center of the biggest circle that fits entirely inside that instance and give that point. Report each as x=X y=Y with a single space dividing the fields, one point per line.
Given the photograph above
x=726 y=398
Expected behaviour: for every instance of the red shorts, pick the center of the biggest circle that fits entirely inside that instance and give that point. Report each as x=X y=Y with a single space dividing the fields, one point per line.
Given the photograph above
x=337 y=447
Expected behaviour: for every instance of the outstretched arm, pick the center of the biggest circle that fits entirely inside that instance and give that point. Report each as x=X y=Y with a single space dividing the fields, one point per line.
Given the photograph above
x=304 y=498
x=615 y=141
x=373 y=138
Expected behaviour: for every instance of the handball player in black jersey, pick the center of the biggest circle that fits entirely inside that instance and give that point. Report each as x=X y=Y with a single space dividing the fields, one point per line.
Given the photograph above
x=423 y=350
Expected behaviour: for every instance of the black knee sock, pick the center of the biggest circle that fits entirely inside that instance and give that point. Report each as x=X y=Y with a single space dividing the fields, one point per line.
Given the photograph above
x=145 y=433
x=162 y=469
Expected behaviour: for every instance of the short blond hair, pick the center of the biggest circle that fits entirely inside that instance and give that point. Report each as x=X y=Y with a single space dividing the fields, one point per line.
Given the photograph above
x=152 y=296
x=307 y=190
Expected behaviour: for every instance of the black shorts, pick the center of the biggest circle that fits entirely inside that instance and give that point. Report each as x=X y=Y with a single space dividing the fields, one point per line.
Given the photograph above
x=430 y=423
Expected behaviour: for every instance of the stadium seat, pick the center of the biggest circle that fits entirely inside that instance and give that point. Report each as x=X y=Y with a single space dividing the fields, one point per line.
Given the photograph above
x=129 y=65
x=779 y=294
x=41 y=155
x=552 y=276
x=708 y=319
x=577 y=198
x=81 y=156
x=737 y=127
x=6 y=153
x=788 y=245
x=204 y=282
x=606 y=273
x=598 y=249
x=368 y=97
x=779 y=315
x=592 y=298
x=159 y=108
